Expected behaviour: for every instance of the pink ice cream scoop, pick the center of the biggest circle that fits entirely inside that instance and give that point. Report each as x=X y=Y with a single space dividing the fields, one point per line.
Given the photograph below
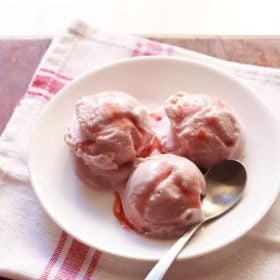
x=110 y=131
x=201 y=128
x=163 y=196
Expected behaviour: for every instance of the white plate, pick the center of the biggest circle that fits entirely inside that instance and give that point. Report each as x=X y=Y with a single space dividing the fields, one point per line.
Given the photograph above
x=87 y=215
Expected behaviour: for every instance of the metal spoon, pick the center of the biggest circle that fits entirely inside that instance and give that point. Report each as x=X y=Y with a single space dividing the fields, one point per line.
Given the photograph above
x=225 y=185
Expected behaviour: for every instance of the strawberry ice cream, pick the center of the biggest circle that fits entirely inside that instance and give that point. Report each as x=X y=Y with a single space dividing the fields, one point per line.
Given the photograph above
x=163 y=196
x=110 y=131
x=153 y=161
x=201 y=128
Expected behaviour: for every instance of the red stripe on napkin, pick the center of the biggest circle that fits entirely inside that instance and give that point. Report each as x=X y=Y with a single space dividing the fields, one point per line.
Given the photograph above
x=137 y=49
x=92 y=265
x=73 y=261
x=54 y=256
x=54 y=73
x=34 y=93
x=146 y=47
x=153 y=48
x=49 y=83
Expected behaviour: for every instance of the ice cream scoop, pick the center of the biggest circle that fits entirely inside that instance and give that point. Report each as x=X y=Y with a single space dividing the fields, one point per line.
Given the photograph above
x=201 y=128
x=162 y=197
x=110 y=131
x=225 y=186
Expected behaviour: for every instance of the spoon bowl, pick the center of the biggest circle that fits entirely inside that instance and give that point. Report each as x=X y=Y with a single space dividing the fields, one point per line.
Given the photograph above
x=225 y=186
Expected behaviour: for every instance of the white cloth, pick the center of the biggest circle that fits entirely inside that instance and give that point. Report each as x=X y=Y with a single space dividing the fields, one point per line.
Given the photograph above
x=33 y=247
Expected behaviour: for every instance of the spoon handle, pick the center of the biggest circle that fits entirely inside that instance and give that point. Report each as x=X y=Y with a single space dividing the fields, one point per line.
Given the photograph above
x=164 y=263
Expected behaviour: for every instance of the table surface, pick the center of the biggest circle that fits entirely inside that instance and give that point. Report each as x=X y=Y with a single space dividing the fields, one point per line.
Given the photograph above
x=19 y=59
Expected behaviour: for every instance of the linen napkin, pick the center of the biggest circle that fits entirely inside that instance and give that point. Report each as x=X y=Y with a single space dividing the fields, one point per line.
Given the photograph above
x=32 y=246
